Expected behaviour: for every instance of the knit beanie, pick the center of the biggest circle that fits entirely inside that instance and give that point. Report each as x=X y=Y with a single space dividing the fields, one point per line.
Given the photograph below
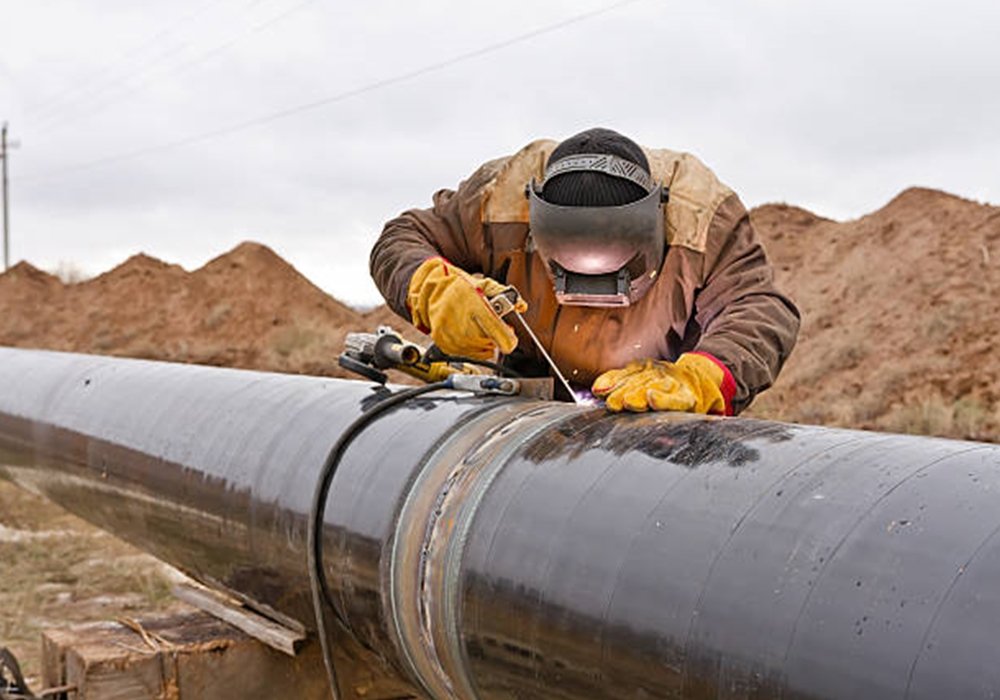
x=594 y=189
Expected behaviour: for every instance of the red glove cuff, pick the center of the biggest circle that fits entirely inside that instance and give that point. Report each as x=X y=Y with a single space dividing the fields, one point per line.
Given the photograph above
x=728 y=386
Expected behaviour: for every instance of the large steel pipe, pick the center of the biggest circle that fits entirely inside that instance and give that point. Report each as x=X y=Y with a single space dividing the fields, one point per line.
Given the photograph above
x=497 y=548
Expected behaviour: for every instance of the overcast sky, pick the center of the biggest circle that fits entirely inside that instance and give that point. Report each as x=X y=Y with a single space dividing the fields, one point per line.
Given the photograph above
x=129 y=114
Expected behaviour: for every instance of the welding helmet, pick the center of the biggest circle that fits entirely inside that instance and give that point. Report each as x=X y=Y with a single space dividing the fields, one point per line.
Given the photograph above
x=596 y=220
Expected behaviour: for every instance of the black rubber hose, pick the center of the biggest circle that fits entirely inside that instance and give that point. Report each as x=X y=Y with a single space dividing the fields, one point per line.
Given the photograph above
x=317 y=578
x=13 y=688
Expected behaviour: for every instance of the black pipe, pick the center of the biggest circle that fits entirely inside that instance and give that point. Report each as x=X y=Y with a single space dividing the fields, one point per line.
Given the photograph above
x=499 y=548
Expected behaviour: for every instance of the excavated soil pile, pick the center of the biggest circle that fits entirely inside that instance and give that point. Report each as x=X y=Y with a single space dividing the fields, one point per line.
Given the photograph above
x=247 y=308
x=900 y=316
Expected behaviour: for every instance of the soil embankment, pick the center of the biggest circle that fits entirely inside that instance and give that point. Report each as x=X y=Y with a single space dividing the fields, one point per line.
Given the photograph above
x=247 y=308
x=900 y=316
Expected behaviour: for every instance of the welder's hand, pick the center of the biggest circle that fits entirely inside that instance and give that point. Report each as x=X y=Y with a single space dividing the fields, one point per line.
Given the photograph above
x=452 y=306
x=693 y=383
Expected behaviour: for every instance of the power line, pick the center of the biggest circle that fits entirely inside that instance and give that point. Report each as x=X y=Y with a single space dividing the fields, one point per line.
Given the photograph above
x=79 y=90
x=339 y=97
x=232 y=42
x=176 y=68
x=142 y=69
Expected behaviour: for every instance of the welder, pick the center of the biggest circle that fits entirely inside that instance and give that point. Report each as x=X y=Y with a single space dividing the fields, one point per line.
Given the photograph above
x=639 y=272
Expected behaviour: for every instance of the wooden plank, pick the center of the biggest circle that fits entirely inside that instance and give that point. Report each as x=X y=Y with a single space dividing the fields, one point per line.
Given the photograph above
x=117 y=676
x=263 y=629
x=187 y=656
x=53 y=660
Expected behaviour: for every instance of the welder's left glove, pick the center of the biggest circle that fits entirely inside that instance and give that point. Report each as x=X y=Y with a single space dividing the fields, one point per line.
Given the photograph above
x=696 y=382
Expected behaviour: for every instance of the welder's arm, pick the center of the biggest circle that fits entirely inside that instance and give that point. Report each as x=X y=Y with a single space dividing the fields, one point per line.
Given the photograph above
x=422 y=264
x=413 y=237
x=450 y=229
x=747 y=325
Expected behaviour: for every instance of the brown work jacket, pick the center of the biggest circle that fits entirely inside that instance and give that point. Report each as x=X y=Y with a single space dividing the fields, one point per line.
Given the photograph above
x=714 y=293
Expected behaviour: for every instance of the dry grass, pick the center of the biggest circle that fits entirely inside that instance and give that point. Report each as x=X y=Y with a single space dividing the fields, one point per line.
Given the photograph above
x=70 y=273
x=57 y=569
x=294 y=340
x=967 y=418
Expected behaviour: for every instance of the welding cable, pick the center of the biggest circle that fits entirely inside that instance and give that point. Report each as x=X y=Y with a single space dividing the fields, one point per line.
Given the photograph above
x=317 y=577
x=13 y=688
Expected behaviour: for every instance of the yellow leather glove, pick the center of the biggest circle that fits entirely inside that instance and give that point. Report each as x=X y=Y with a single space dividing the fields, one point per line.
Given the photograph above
x=452 y=306
x=694 y=383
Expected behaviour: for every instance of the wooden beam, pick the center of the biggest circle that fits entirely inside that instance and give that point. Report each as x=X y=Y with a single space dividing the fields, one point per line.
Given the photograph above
x=263 y=629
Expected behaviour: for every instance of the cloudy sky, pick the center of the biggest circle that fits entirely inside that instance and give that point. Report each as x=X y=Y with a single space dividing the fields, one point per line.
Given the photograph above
x=180 y=129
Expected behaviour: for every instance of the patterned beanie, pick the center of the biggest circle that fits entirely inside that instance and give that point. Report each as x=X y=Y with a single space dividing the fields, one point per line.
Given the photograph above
x=594 y=189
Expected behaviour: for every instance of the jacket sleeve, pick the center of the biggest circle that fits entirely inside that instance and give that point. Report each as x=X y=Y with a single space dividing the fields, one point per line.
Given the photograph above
x=746 y=322
x=451 y=228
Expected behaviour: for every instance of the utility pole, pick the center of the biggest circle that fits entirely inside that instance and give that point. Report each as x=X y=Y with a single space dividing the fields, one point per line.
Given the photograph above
x=6 y=205
x=4 y=152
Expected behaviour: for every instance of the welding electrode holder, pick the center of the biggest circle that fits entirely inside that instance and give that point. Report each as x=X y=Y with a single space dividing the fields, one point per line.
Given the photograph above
x=503 y=303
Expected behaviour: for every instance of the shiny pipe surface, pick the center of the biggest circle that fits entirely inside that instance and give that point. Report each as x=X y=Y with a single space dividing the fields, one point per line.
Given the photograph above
x=494 y=548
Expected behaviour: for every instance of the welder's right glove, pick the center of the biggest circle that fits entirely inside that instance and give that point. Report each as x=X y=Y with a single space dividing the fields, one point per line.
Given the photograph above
x=697 y=383
x=452 y=307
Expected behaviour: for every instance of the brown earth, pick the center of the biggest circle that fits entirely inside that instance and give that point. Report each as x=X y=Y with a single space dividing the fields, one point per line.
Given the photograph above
x=247 y=308
x=900 y=316
x=899 y=333
x=56 y=570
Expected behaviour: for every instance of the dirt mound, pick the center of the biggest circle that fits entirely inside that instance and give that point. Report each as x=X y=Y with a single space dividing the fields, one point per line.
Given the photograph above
x=247 y=308
x=899 y=315
x=900 y=318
